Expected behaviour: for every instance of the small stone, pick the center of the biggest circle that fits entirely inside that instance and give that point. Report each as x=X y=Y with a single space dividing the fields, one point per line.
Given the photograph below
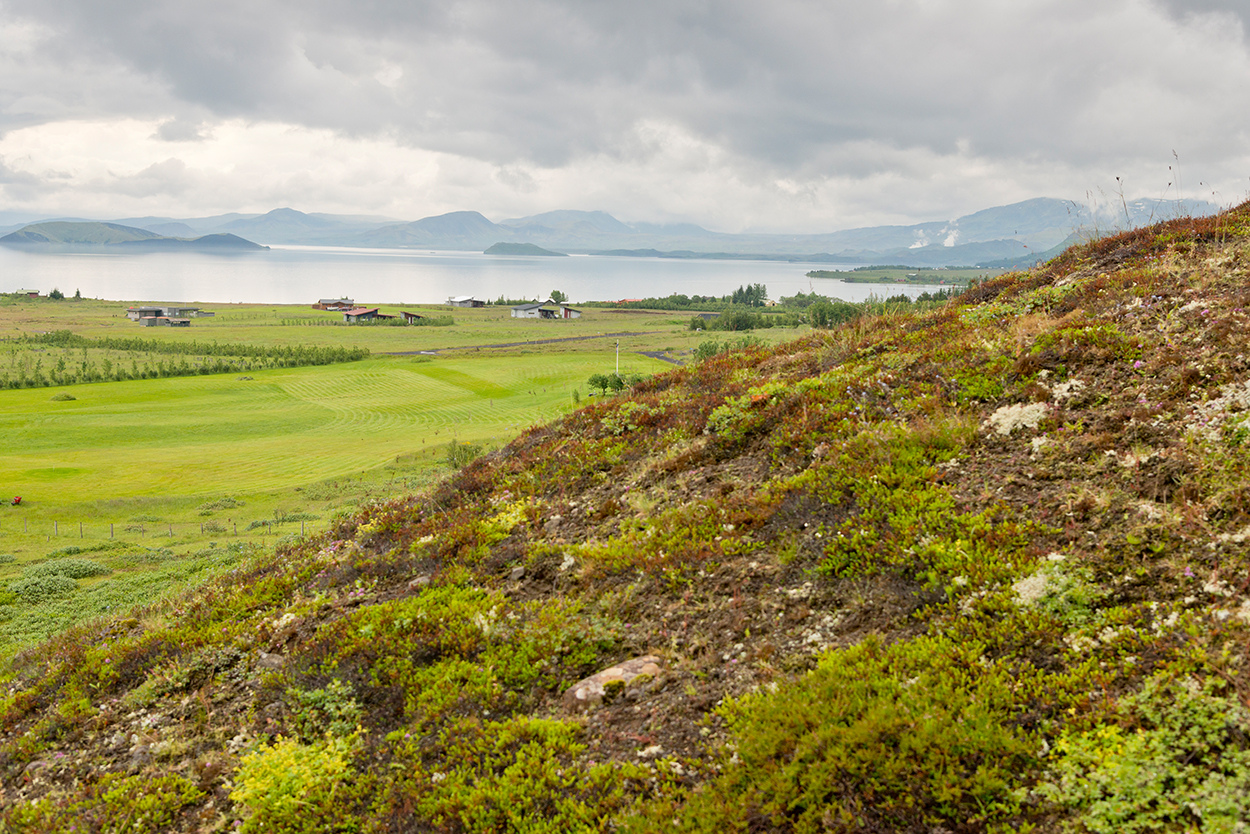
x=418 y=583
x=603 y=686
x=265 y=660
x=517 y=574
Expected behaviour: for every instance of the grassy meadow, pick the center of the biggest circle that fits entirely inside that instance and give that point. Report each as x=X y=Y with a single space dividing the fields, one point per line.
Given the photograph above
x=148 y=483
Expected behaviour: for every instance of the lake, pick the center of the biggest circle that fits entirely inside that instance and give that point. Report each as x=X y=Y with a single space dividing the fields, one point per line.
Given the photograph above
x=302 y=274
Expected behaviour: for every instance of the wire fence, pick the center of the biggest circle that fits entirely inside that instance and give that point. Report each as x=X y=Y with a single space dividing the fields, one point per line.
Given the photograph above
x=60 y=529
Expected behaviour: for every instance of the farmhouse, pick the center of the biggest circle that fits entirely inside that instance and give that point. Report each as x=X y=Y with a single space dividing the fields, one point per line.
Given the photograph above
x=164 y=321
x=410 y=318
x=359 y=314
x=164 y=310
x=465 y=301
x=530 y=311
x=337 y=304
x=138 y=313
x=542 y=310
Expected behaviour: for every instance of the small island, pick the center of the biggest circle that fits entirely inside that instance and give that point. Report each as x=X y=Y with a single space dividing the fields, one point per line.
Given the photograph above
x=898 y=274
x=522 y=249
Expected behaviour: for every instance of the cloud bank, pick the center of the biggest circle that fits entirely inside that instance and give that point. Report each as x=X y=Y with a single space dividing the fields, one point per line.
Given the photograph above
x=739 y=115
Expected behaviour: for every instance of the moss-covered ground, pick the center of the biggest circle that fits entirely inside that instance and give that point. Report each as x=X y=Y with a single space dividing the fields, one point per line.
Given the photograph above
x=977 y=569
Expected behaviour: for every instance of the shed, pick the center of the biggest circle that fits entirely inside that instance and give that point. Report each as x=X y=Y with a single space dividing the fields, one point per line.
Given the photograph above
x=528 y=311
x=409 y=318
x=140 y=313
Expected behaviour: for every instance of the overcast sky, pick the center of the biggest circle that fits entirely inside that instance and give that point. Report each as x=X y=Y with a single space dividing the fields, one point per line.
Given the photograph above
x=803 y=116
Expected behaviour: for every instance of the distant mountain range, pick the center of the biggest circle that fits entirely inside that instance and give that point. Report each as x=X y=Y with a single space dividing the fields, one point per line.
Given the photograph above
x=1002 y=236
x=62 y=234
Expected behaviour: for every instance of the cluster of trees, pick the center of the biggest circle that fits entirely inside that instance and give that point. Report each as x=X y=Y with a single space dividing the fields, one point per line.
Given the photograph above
x=737 y=320
x=556 y=296
x=285 y=356
x=755 y=295
x=82 y=360
x=604 y=383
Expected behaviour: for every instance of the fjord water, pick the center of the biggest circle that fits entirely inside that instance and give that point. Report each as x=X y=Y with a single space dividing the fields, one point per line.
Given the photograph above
x=302 y=274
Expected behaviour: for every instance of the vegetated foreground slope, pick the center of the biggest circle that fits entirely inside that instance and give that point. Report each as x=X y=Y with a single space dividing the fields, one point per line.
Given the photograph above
x=981 y=569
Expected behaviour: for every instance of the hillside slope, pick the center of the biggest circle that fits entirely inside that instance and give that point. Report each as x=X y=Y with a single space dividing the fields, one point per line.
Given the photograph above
x=982 y=569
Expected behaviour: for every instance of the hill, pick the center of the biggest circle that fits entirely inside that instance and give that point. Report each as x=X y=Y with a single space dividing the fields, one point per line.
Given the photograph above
x=66 y=234
x=521 y=249
x=980 y=569
x=76 y=233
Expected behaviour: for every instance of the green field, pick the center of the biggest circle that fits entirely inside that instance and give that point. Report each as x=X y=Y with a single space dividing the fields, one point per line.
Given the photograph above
x=162 y=481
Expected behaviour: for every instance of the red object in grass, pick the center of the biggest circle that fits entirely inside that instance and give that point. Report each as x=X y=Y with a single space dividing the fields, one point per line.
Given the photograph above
x=17 y=499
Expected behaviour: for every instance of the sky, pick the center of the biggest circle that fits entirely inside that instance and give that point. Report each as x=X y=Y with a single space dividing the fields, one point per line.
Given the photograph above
x=788 y=116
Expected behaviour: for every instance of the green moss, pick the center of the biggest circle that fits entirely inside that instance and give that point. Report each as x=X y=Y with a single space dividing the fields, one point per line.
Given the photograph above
x=286 y=786
x=116 y=804
x=1177 y=759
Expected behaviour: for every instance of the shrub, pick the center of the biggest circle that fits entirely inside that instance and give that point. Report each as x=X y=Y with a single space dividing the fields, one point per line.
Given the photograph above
x=1179 y=759
x=291 y=788
x=460 y=455
x=117 y=803
x=73 y=568
x=899 y=738
x=517 y=775
x=225 y=503
x=41 y=588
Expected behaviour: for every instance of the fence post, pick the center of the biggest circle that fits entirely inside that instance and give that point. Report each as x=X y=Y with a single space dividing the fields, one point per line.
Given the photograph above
x=110 y=529
x=55 y=530
x=80 y=529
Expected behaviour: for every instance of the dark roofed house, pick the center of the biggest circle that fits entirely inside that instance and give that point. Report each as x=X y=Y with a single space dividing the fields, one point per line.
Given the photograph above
x=139 y=313
x=528 y=311
x=465 y=301
x=359 y=314
x=411 y=317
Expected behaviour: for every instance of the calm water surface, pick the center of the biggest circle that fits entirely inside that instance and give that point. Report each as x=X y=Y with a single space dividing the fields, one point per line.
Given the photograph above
x=302 y=274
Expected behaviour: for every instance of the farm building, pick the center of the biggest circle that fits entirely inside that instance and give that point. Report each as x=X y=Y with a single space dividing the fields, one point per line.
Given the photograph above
x=164 y=321
x=531 y=311
x=338 y=304
x=139 y=313
x=409 y=318
x=359 y=314
x=465 y=301
x=545 y=311
x=175 y=311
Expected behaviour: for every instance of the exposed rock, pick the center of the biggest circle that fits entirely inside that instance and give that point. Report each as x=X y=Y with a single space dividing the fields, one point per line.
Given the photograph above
x=418 y=583
x=612 y=681
x=517 y=574
x=1020 y=416
x=265 y=660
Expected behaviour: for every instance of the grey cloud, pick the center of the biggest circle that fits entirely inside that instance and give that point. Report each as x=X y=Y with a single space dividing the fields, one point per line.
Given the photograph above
x=789 y=89
x=169 y=177
x=179 y=130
